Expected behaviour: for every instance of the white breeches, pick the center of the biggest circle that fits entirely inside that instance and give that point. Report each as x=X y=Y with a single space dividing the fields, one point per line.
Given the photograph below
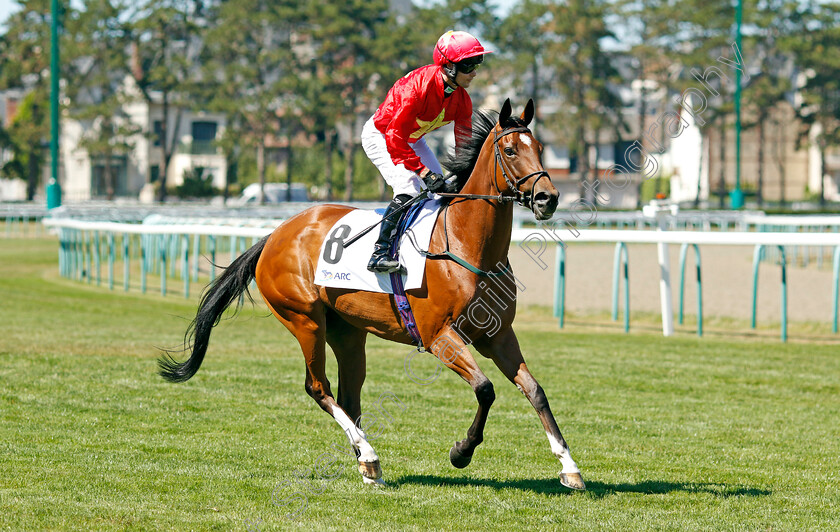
x=398 y=177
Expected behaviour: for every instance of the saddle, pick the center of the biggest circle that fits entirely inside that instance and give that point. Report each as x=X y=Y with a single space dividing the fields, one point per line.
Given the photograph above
x=341 y=266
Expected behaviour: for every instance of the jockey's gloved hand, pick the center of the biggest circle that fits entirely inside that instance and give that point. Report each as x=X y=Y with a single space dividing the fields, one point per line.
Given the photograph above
x=452 y=185
x=434 y=182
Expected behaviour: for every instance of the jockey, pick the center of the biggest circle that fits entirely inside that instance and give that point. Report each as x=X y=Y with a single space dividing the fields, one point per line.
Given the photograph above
x=422 y=101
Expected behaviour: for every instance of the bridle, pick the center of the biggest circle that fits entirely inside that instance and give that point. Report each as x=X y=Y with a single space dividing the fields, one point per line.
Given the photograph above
x=522 y=199
x=518 y=196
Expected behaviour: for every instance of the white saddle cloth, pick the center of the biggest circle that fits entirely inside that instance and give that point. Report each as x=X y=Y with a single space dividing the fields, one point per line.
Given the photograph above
x=341 y=267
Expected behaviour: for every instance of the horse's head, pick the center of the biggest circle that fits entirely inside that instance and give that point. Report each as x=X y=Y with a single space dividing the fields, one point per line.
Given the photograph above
x=519 y=164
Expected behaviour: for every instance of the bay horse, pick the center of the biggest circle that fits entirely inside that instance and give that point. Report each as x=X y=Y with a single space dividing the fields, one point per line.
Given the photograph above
x=499 y=165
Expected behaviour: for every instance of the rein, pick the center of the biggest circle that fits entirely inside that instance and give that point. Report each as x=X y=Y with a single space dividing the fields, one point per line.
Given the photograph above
x=447 y=254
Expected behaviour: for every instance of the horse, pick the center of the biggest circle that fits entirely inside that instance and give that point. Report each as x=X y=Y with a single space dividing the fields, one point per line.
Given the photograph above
x=500 y=164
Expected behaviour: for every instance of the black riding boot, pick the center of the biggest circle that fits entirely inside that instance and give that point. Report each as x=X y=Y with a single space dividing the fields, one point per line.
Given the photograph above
x=381 y=261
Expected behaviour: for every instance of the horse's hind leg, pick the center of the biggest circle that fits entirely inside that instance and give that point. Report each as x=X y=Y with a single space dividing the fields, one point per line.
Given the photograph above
x=450 y=349
x=348 y=344
x=310 y=331
x=503 y=349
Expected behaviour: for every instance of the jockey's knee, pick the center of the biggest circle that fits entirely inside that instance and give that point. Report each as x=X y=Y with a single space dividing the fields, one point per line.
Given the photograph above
x=401 y=199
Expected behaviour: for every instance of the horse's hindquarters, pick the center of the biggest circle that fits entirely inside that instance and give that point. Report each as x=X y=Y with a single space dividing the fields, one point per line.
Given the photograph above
x=286 y=270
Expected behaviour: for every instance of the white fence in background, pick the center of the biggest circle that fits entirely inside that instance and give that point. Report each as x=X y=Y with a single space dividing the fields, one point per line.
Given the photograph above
x=83 y=244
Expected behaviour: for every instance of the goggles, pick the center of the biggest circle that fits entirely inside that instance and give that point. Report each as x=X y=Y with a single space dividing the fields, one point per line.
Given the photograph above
x=469 y=65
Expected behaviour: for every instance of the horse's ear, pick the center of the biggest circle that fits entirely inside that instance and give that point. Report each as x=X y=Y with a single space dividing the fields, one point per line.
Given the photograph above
x=528 y=113
x=504 y=114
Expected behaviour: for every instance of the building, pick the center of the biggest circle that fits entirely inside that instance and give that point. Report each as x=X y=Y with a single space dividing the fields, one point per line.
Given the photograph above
x=192 y=134
x=698 y=163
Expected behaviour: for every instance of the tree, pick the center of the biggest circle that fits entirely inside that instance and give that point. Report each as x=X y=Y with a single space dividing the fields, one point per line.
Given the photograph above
x=704 y=35
x=774 y=21
x=165 y=45
x=356 y=51
x=24 y=64
x=251 y=72
x=584 y=72
x=651 y=35
x=331 y=73
x=27 y=132
x=817 y=52
x=526 y=48
x=100 y=44
x=763 y=95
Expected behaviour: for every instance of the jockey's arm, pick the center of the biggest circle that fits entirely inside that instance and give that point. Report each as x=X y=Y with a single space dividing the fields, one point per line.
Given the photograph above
x=399 y=131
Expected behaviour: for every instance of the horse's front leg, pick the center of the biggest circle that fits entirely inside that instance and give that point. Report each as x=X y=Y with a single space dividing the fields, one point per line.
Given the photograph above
x=503 y=349
x=452 y=351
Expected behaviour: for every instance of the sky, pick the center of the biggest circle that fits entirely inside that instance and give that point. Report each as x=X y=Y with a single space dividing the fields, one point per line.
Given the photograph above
x=6 y=10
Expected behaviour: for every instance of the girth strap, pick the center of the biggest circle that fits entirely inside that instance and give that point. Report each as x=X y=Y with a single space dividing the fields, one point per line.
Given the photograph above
x=403 y=306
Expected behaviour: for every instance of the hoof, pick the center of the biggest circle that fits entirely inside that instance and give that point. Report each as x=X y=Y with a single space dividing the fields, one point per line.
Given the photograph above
x=370 y=470
x=572 y=481
x=374 y=482
x=458 y=460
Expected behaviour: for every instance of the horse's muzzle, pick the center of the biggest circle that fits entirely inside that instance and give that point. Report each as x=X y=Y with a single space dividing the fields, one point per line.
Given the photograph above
x=544 y=204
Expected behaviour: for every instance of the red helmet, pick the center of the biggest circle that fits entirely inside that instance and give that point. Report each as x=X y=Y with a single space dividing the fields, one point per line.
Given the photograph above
x=455 y=46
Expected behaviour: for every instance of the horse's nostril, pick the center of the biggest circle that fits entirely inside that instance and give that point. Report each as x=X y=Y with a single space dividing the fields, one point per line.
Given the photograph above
x=544 y=205
x=544 y=199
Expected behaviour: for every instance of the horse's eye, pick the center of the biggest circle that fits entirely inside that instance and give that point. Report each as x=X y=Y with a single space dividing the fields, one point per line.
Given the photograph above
x=509 y=152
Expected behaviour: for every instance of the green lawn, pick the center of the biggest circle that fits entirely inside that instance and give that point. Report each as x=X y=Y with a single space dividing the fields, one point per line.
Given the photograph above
x=725 y=432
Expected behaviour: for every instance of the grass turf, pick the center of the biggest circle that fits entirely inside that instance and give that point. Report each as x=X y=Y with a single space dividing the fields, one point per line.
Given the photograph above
x=734 y=433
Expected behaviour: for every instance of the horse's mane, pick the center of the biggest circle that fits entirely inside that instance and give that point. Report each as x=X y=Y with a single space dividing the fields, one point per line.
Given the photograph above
x=461 y=160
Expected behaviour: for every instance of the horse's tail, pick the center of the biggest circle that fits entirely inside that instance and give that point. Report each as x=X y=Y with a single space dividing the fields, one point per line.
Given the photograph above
x=217 y=297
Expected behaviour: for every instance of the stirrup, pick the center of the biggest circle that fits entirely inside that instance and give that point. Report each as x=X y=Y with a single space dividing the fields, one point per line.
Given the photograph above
x=383 y=264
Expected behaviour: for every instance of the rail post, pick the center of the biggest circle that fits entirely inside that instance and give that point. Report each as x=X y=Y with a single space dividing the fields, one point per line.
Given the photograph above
x=97 y=258
x=621 y=257
x=560 y=284
x=212 y=243
x=111 y=259
x=185 y=264
x=757 y=256
x=126 y=260
x=196 y=255
x=683 y=253
x=659 y=211
x=87 y=251
x=162 y=251
x=145 y=241
x=835 y=286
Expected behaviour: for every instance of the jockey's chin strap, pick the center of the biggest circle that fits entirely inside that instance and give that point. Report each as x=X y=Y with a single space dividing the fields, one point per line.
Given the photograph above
x=514 y=184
